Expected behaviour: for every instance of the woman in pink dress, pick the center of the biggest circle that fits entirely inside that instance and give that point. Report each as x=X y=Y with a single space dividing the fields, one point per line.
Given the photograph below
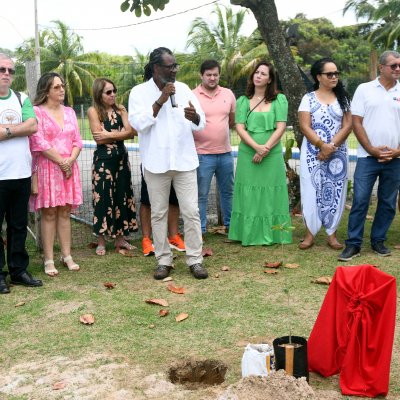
x=55 y=148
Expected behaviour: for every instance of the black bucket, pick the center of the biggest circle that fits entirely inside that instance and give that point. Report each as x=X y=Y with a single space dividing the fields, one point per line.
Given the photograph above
x=300 y=362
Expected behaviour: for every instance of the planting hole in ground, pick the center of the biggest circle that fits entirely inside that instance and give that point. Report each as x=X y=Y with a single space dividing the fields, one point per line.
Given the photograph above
x=208 y=372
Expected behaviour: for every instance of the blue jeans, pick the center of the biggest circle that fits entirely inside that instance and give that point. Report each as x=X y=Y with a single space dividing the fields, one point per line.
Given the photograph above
x=222 y=166
x=367 y=171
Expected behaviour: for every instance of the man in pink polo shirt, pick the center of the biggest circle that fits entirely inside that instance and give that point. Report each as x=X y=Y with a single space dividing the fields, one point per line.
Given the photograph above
x=213 y=144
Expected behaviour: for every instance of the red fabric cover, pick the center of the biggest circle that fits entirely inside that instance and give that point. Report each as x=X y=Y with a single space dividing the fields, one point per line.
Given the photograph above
x=354 y=331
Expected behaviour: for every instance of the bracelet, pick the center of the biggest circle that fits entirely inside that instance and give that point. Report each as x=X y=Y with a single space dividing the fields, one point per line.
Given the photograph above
x=159 y=104
x=319 y=143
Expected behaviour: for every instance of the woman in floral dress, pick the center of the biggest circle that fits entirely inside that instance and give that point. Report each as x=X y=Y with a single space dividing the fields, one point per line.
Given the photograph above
x=325 y=120
x=55 y=148
x=114 y=211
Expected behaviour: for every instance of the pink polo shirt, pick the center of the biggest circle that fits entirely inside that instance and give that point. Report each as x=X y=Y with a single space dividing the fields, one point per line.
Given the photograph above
x=214 y=138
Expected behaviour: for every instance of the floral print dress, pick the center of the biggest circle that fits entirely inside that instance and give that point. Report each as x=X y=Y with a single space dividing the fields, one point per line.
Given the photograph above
x=114 y=210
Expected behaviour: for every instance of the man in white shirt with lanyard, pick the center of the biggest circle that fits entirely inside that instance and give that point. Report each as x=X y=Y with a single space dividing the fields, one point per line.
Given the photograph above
x=165 y=112
x=376 y=123
x=17 y=122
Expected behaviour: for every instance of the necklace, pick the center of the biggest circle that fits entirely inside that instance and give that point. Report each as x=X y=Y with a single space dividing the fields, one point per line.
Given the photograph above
x=260 y=98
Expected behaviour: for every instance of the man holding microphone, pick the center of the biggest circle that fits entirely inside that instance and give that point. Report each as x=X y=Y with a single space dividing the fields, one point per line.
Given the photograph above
x=165 y=113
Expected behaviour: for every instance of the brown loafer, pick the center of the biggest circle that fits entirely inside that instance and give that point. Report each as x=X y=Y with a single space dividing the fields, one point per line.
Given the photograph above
x=305 y=245
x=335 y=245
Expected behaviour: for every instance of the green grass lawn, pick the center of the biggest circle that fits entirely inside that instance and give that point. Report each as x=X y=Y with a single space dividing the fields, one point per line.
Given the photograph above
x=241 y=305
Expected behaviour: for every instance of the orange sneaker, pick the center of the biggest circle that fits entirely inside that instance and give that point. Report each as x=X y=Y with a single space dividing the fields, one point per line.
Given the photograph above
x=177 y=243
x=147 y=247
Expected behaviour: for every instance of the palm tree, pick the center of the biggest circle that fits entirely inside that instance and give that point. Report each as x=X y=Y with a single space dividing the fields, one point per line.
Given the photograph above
x=383 y=20
x=223 y=41
x=62 y=52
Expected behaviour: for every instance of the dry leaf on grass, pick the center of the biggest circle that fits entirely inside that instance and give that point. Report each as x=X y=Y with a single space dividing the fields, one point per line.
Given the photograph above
x=92 y=245
x=225 y=268
x=292 y=266
x=369 y=217
x=180 y=317
x=168 y=279
x=229 y=241
x=152 y=326
x=177 y=290
x=270 y=271
x=159 y=302
x=20 y=304
x=87 y=319
x=276 y=264
x=207 y=251
x=216 y=276
x=59 y=385
x=348 y=207
x=163 y=312
x=323 y=280
x=125 y=253
x=109 y=285
x=397 y=246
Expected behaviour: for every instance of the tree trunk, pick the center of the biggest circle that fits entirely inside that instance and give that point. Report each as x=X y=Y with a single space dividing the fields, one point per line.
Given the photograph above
x=292 y=82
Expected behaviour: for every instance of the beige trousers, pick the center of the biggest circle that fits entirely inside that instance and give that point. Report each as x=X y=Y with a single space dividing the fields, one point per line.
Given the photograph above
x=185 y=185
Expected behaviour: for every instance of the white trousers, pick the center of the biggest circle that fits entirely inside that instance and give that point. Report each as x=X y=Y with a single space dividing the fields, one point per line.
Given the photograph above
x=185 y=185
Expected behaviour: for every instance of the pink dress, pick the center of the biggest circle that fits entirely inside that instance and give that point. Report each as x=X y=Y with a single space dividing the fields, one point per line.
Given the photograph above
x=53 y=186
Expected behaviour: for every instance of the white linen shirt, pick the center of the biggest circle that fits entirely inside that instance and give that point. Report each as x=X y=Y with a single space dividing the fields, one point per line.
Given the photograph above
x=165 y=142
x=380 y=110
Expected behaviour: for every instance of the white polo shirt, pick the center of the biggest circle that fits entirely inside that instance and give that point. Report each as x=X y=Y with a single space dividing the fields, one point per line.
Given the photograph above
x=166 y=142
x=380 y=110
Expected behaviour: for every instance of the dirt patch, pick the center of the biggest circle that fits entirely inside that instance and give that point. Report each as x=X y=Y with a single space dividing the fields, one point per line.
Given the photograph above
x=93 y=377
x=277 y=386
x=206 y=372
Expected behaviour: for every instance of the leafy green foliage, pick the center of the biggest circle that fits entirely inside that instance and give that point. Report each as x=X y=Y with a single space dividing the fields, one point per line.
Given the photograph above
x=143 y=6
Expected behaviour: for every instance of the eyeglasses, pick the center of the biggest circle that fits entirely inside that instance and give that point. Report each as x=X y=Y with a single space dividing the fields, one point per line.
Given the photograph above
x=3 y=70
x=171 y=66
x=392 y=66
x=58 y=87
x=330 y=75
x=108 y=92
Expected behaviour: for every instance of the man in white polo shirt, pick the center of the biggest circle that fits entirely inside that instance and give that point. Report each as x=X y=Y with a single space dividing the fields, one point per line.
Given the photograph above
x=165 y=112
x=376 y=123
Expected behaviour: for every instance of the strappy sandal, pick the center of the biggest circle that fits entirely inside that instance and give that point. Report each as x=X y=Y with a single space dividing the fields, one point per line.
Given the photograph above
x=72 y=267
x=50 y=269
x=100 y=250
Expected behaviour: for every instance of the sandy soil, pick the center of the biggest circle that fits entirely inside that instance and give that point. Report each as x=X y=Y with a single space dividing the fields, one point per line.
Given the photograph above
x=102 y=376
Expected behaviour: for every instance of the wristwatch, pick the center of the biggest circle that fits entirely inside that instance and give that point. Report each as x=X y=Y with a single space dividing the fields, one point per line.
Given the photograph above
x=8 y=133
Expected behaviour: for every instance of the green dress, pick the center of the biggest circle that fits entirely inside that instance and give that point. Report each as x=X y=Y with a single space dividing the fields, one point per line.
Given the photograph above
x=260 y=195
x=114 y=209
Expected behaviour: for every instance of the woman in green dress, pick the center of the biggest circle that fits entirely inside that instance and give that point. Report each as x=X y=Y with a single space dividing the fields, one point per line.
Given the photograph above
x=114 y=210
x=260 y=198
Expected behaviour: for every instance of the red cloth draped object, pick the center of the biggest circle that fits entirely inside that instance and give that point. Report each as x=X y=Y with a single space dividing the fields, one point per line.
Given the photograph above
x=354 y=331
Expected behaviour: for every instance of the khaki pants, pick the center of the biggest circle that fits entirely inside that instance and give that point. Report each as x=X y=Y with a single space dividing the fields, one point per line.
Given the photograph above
x=185 y=185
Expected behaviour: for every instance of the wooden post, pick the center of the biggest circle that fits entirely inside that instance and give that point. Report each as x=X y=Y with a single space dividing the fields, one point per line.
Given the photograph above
x=289 y=359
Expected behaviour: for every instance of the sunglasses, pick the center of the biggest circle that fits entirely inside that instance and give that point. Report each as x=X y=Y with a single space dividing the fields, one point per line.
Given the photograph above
x=3 y=70
x=170 y=67
x=58 y=87
x=392 y=66
x=330 y=75
x=108 y=92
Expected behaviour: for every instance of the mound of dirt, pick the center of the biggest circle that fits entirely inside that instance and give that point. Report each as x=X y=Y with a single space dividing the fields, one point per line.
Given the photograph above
x=277 y=386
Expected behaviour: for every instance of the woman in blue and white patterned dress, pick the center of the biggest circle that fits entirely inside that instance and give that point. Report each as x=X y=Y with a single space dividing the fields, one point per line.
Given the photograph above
x=325 y=120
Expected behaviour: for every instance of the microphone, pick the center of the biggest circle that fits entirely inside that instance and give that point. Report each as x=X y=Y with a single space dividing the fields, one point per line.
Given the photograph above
x=172 y=96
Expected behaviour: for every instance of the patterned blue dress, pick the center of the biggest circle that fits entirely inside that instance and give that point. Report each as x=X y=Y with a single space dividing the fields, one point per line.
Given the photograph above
x=323 y=184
